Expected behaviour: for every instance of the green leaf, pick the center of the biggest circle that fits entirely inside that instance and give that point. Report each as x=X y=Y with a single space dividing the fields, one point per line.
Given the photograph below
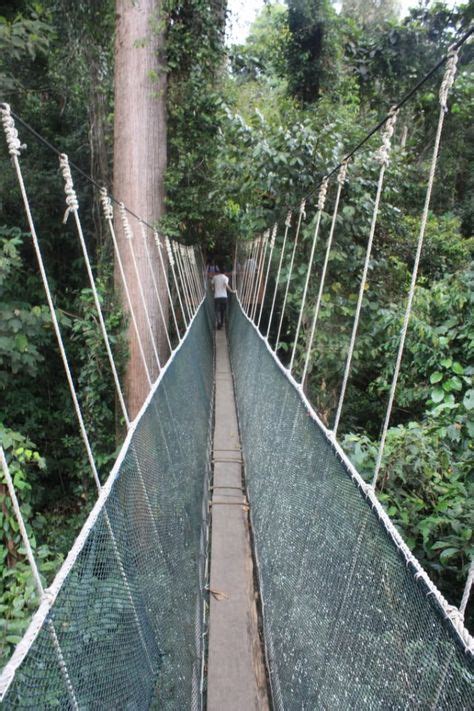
x=437 y=394
x=436 y=377
x=447 y=553
x=458 y=369
x=468 y=400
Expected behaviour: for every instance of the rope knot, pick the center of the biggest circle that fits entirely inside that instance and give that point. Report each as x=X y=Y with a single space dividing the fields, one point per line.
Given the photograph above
x=169 y=250
x=13 y=142
x=272 y=239
x=323 y=189
x=288 y=219
x=448 y=79
x=106 y=204
x=126 y=226
x=341 y=176
x=383 y=153
x=302 y=208
x=71 y=197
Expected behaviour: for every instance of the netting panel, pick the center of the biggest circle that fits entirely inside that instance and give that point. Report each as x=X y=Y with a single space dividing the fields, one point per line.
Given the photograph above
x=128 y=617
x=346 y=624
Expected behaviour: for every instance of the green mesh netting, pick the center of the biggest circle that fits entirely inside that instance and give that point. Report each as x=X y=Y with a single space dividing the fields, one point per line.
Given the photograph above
x=147 y=653
x=346 y=624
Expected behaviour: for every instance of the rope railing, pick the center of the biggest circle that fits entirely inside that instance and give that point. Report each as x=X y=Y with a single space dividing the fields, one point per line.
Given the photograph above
x=383 y=158
x=15 y=147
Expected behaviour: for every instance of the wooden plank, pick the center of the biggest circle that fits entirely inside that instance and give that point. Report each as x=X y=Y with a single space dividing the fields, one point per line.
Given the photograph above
x=236 y=672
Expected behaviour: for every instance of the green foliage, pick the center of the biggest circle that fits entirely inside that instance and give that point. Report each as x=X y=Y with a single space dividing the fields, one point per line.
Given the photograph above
x=194 y=56
x=427 y=493
x=313 y=49
x=18 y=594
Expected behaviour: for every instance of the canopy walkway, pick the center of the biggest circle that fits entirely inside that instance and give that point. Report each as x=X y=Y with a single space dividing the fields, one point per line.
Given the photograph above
x=349 y=618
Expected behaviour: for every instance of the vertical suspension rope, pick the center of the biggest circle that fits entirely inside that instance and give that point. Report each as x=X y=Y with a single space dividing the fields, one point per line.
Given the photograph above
x=383 y=157
x=321 y=202
x=37 y=578
x=179 y=269
x=467 y=590
x=14 y=147
x=282 y=254
x=155 y=285
x=159 y=247
x=127 y=230
x=272 y=246
x=446 y=85
x=301 y=215
x=109 y=217
x=260 y=270
x=73 y=206
x=171 y=262
x=340 y=182
x=251 y=270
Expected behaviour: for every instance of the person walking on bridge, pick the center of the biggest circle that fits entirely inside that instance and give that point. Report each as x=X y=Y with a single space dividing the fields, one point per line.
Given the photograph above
x=220 y=286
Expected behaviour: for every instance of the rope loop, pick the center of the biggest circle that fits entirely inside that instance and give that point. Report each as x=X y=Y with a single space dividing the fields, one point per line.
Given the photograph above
x=106 y=203
x=169 y=251
x=323 y=189
x=302 y=208
x=71 y=197
x=157 y=240
x=288 y=219
x=383 y=153
x=125 y=223
x=448 y=79
x=13 y=142
x=341 y=176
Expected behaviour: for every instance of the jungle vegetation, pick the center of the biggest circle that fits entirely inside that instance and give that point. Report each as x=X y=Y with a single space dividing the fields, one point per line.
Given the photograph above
x=251 y=129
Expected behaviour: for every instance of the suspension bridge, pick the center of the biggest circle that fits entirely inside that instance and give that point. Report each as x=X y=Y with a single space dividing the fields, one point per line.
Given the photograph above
x=155 y=605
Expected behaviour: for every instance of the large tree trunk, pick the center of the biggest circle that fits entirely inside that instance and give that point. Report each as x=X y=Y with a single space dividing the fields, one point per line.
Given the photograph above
x=139 y=167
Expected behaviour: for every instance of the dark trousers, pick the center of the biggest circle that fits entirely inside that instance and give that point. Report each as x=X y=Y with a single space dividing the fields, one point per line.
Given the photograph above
x=220 y=307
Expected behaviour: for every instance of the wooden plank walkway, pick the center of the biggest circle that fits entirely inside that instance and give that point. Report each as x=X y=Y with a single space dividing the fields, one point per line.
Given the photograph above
x=236 y=672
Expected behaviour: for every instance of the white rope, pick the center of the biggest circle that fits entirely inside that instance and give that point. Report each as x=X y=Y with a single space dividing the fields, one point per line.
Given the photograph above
x=179 y=269
x=184 y=277
x=171 y=262
x=129 y=238
x=443 y=95
x=367 y=490
x=467 y=589
x=73 y=206
x=159 y=247
x=194 y=274
x=13 y=149
x=190 y=276
x=261 y=267
x=383 y=156
x=109 y=214
x=272 y=246
x=301 y=215
x=250 y=272
x=340 y=183
x=5 y=109
x=155 y=285
x=36 y=575
x=277 y=281
x=13 y=142
x=248 y=267
x=254 y=287
x=321 y=202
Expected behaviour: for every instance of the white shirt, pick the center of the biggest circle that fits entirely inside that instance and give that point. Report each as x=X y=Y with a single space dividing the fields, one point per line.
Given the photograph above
x=220 y=282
